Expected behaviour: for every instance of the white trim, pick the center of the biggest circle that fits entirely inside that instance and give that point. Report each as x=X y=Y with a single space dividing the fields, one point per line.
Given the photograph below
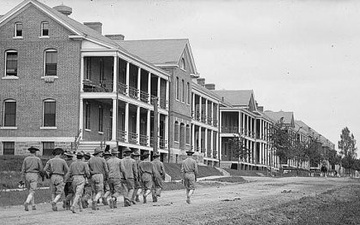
x=50 y=50
x=48 y=128
x=8 y=128
x=17 y=23
x=88 y=130
x=18 y=38
x=100 y=132
x=10 y=78
x=45 y=37
x=37 y=139
x=5 y=63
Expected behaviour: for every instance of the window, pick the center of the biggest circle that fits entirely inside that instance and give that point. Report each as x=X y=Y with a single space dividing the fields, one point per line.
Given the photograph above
x=177 y=89
x=182 y=136
x=9 y=113
x=44 y=29
x=188 y=134
x=88 y=68
x=8 y=148
x=182 y=64
x=48 y=148
x=11 y=63
x=50 y=63
x=49 y=113
x=18 y=30
x=87 y=116
x=176 y=131
x=101 y=118
x=183 y=90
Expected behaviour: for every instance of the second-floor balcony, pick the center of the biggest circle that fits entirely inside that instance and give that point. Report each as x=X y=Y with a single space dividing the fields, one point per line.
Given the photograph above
x=230 y=129
x=97 y=86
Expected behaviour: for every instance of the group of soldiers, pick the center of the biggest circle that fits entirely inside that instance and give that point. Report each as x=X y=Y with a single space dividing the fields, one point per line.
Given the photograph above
x=101 y=177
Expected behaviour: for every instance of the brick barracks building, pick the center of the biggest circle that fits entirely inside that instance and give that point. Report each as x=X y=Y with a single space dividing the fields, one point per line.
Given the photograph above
x=65 y=84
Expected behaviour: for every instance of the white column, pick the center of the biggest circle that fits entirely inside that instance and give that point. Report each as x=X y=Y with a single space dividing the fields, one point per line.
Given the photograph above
x=149 y=87
x=167 y=94
x=211 y=142
x=166 y=127
x=128 y=77
x=82 y=75
x=206 y=111
x=148 y=126
x=138 y=81
x=114 y=119
x=158 y=91
x=138 y=124
x=115 y=71
x=126 y=121
x=200 y=107
x=206 y=141
x=200 y=139
x=81 y=119
x=193 y=105
x=193 y=136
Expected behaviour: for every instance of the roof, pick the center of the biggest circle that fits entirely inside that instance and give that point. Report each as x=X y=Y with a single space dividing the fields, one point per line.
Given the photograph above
x=236 y=97
x=288 y=117
x=156 y=51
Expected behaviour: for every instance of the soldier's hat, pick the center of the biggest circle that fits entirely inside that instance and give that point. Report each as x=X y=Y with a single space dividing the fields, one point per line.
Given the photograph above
x=155 y=155
x=114 y=150
x=87 y=155
x=58 y=151
x=135 y=154
x=33 y=149
x=107 y=153
x=190 y=152
x=127 y=151
x=79 y=155
x=68 y=154
x=145 y=155
x=97 y=151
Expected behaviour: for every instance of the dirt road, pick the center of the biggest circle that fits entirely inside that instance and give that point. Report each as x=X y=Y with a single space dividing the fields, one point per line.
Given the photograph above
x=262 y=200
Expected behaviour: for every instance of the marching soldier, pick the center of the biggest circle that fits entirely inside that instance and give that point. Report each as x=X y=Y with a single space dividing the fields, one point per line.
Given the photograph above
x=87 y=188
x=56 y=168
x=189 y=170
x=98 y=169
x=114 y=181
x=78 y=170
x=68 y=191
x=30 y=170
x=146 y=171
x=107 y=192
x=129 y=174
x=159 y=176
x=137 y=190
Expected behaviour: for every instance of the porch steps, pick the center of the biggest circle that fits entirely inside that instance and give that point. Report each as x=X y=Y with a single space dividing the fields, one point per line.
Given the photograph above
x=88 y=146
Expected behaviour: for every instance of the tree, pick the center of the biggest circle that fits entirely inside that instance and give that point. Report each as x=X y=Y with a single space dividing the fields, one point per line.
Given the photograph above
x=299 y=153
x=238 y=148
x=281 y=141
x=347 y=146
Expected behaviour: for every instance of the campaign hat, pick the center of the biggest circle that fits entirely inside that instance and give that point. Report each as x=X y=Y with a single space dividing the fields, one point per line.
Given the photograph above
x=97 y=151
x=79 y=155
x=135 y=154
x=87 y=155
x=58 y=151
x=127 y=150
x=190 y=152
x=114 y=150
x=68 y=154
x=155 y=155
x=107 y=153
x=33 y=149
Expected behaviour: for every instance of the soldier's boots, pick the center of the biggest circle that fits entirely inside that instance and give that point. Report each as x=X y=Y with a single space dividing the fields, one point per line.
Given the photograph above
x=53 y=206
x=26 y=206
x=137 y=198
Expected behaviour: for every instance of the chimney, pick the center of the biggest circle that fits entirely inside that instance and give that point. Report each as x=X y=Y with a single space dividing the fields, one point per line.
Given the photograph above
x=66 y=10
x=260 y=108
x=210 y=87
x=97 y=26
x=201 y=81
x=115 y=37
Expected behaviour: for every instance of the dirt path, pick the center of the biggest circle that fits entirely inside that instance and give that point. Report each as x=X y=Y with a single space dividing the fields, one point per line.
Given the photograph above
x=212 y=205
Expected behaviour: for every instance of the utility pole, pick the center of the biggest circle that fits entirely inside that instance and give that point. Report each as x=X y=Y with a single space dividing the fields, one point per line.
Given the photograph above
x=156 y=123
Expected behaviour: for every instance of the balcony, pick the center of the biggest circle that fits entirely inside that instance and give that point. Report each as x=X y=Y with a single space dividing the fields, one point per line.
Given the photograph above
x=203 y=118
x=99 y=86
x=121 y=135
x=122 y=88
x=144 y=96
x=133 y=93
x=133 y=138
x=144 y=140
x=215 y=122
x=229 y=129
x=209 y=120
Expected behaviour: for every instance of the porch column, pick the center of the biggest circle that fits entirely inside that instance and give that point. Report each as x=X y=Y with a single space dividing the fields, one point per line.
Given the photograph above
x=211 y=143
x=239 y=125
x=127 y=77
x=206 y=141
x=82 y=75
x=114 y=119
x=149 y=89
x=148 y=126
x=158 y=92
x=81 y=119
x=193 y=136
x=138 y=124
x=206 y=111
x=166 y=127
x=200 y=107
x=115 y=71
x=167 y=94
x=193 y=106
x=126 y=121
x=200 y=144
x=138 y=81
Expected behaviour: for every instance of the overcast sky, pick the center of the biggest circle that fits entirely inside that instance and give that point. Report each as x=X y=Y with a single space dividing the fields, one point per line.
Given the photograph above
x=297 y=55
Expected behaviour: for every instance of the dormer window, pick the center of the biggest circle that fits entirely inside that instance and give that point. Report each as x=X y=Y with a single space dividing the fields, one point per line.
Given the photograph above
x=18 y=30
x=182 y=64
x=44 y=29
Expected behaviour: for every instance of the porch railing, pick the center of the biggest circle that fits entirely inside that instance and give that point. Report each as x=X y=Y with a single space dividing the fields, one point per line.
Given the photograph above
x=121 y=135
x=98 y=86
x=133 y=138
x=144 y=140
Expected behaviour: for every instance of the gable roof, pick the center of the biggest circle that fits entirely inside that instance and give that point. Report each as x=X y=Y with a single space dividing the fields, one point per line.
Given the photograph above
x=72 y=25
x=159 y=51
x=239 y=98
x=287 y=117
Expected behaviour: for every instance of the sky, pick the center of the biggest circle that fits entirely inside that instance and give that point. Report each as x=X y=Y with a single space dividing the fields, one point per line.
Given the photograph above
x=298 y=56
